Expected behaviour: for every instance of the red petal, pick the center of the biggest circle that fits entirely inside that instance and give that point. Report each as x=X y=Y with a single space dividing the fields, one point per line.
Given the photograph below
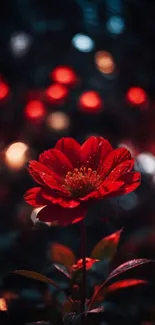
x=131 y=177
x=55 y=198
x=56 y=161
x=128 y=188
x=71 y=149
x=119 y=171
x=54 y=185
x=63 y=216
x=93 y=151
x=42 y=173
x=36 y=170
x=131 y=182
x=34 y=197
x=107 y=189
x=91 y=195
x=115 y=158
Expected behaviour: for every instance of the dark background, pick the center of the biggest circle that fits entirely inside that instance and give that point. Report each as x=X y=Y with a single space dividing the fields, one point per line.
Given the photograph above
x=50 y=27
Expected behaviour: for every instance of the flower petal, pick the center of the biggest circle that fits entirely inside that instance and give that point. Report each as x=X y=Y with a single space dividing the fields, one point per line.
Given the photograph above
x=34 y=197
x=56 y=161
x=71 y=149
x=114 y=158
x=131 y=177
x=119 y=171
x=94 y=150
x=55 y=198
x=107 y=189
x=126 y=189
x=62 y=216
x=54 y=185
x=36 y=170
x=91 y=195
x=43 y=174
x=131 y=182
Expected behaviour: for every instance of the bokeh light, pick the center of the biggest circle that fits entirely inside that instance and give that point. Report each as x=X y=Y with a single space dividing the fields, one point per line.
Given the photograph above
x=83 y=43
x=4 y=90
x=145 y=162
x=16 y=155
x=104 y=62
x=64 y=75
x=56 y=93
x=136 y=96
x=58 y=121
x=115 y=25
x=3 y=304
x=90 y=102
x=128 y=202
x=20 y=43
x=35 y=110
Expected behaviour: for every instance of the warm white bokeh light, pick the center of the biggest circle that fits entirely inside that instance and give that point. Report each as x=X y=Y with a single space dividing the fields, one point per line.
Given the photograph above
x=15 y=155
x=3 y=305
x=104 y=62
x=58 y=121
x=83 y=43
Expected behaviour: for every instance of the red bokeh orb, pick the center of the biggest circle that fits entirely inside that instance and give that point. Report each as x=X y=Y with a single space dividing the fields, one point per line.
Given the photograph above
x=56 y=93
x=136 y=96
x=4 y=90
x=90 y=102
x=64 y=75
x=35 y=110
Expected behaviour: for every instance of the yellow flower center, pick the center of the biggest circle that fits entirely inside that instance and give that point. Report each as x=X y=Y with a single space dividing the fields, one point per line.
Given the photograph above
x=81 y=181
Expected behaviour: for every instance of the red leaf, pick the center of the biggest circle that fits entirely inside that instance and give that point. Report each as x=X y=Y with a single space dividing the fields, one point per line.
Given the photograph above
x=62 y=255
x=125 y=284
x=128 y=266
x=107 y=246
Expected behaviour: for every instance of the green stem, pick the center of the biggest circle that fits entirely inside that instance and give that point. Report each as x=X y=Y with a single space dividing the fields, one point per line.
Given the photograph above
x=83 y=252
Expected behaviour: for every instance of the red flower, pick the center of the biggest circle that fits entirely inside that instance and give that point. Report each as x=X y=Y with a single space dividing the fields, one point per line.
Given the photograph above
x=70 y=176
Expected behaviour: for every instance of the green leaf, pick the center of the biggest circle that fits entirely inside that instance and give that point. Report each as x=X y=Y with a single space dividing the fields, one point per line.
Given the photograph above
x=106 y=248
x=62 y=255
x=36 y=276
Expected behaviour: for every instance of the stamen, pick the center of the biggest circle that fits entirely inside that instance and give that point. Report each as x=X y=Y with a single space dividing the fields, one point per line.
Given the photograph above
x=81 y=181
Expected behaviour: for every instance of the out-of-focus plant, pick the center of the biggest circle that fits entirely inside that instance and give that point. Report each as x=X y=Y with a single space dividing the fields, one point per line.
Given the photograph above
x=129 y=274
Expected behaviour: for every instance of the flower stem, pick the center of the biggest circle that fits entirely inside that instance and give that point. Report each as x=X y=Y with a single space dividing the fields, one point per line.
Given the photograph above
x=83 y=255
